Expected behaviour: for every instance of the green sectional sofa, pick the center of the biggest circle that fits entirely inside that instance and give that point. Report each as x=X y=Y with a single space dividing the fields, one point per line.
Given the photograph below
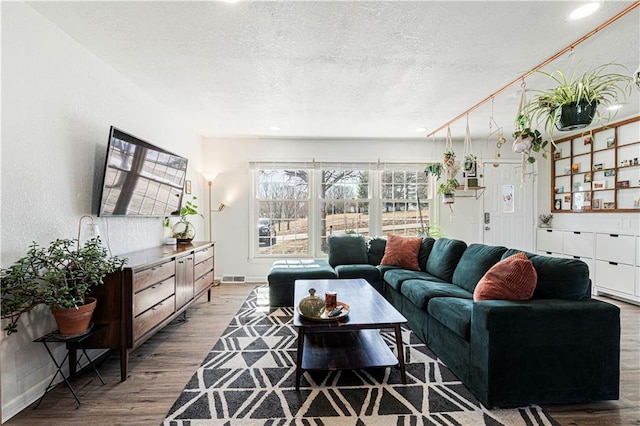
x=560 y=346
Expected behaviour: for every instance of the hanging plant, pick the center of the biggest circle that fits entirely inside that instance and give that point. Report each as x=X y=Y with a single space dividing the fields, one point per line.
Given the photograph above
x=579 y=98
x=433 y=169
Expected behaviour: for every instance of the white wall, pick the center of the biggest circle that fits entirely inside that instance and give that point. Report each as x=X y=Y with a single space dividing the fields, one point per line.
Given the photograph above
x=230 y=158
x=58 y=101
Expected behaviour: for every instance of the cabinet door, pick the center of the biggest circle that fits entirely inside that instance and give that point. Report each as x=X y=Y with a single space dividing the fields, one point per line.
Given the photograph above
x=615 y=248
x=615 y=276
x=184 y=280
x=549 y=241
x=576 y=243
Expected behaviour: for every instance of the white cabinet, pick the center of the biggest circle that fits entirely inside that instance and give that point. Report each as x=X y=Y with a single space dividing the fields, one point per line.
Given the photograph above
x=613 y=259
x=617 y=265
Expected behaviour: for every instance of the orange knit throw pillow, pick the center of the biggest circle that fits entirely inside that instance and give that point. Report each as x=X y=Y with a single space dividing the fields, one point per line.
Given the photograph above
x=402 y=251
x=513 y=278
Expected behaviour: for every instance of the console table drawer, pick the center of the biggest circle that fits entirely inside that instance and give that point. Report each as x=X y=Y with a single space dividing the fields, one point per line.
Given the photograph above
x=152 y=317
x=203 y=254
x=153 y=295
x=153 y=275
x=203 y=267
x=203 y=283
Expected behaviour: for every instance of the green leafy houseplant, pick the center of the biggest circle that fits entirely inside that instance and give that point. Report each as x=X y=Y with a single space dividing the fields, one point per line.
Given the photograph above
x=529 y=138
x=434 y=169
x=59 y=276
x=183 y=231
x=589 y=92
x=448 y=187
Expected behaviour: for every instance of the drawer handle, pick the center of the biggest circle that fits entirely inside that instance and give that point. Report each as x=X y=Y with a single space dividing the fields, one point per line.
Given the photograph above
x=577 y=232
x=181 y=261
x=613 y=263
x=614 y=235
x=549 y=230
x=156 y=306
x=548 y=252
x=576 y=257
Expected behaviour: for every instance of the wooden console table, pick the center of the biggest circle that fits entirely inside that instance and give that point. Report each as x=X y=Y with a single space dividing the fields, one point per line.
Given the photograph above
x=155 y=287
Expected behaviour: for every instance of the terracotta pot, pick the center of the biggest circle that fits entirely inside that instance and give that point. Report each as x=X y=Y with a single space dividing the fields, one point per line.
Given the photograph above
x=75 y=321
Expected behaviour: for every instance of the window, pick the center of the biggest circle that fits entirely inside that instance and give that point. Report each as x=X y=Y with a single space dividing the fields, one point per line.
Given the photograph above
x=283 y=212
x=297 y=206
x=402 y=191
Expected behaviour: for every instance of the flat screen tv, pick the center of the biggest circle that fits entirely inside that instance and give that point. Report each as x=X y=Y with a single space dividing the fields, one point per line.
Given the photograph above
x=140 y=179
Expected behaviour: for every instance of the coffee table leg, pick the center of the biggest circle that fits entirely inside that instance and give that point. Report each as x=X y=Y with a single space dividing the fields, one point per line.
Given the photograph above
x=403 y=373
x=299 y=357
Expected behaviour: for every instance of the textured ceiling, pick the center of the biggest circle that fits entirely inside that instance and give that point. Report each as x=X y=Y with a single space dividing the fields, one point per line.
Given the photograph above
x=341 y=69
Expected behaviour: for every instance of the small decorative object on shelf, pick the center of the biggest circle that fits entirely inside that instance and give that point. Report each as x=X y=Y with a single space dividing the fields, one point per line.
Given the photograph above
x=545 y=220
x=311 y=306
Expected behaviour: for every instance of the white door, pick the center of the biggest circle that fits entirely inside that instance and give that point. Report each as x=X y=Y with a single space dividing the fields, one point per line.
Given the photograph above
x=508 y=207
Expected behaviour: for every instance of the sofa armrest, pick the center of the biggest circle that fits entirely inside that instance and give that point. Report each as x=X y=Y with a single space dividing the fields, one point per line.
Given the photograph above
x=543 y=351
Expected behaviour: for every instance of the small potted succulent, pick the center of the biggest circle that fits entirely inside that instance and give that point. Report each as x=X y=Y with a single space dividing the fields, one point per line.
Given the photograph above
x=60 y=275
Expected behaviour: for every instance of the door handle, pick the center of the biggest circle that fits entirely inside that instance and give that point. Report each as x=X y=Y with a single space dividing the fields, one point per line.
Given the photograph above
x=487 y=228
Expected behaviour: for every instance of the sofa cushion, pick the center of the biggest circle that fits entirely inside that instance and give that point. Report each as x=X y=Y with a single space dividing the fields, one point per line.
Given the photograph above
x=558 y=278
x=402 y=251
x=444 y=257
x=454 y=313
x=419 y=292
x=425 y=250
x=476 y=260
x=375 y=250
x=366 y=271
x=395 y=277
x=347 y=250
x=513 y=278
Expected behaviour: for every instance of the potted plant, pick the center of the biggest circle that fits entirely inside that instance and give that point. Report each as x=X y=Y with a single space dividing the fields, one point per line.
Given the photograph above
x=434 y=169
x=447 y=189
x=577 y=98
x=449 y=158
x=469 y=161
x=183 y=231
x=60 y=276
x=528 y=140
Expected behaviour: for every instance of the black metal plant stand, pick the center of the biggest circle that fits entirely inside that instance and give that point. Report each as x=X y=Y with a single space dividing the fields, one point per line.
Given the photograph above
x=72 y=343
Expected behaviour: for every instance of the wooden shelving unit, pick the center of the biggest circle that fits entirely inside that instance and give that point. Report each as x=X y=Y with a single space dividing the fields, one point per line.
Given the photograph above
x=598 y=171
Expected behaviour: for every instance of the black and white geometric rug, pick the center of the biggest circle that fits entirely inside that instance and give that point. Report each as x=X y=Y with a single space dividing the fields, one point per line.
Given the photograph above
x=248 y=378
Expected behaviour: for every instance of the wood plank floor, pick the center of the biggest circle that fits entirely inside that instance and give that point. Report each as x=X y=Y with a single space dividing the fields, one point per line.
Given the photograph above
x=160 y=368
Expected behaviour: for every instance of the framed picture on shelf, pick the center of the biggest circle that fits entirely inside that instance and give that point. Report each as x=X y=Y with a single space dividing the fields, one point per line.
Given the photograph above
x=567 y=170
x=597 y=167
x=611 y=142
x=587 y=177
x=557 y=154
x=557 y=205
x=575 y=168
x=609 y=205
x=596 y=203
x=598 y=184
x=577 y=187
x=610 y=172
x=623 y=184
x=587 y=140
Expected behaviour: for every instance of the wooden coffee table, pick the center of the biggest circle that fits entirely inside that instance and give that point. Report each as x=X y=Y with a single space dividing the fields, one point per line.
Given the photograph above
x=354 y=341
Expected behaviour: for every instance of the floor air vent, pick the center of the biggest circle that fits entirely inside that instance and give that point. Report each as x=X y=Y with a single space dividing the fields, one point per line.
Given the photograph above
x=233 y=278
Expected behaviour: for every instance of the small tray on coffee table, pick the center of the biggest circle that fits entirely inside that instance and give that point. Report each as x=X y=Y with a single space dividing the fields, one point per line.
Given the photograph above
x=325 y=315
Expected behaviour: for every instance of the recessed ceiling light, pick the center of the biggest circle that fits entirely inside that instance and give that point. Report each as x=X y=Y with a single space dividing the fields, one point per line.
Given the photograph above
x=274 y=128
x=584 y=11
x=614 y=107
x=421 y=129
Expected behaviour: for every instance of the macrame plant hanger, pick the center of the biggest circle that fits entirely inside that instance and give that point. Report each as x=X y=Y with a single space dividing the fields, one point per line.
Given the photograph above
x=449 y=165
x=520 y=145
x=467 y=154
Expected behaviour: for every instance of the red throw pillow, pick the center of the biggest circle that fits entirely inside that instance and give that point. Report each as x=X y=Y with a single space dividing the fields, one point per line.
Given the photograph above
x=402 y=251
x=513 y=278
